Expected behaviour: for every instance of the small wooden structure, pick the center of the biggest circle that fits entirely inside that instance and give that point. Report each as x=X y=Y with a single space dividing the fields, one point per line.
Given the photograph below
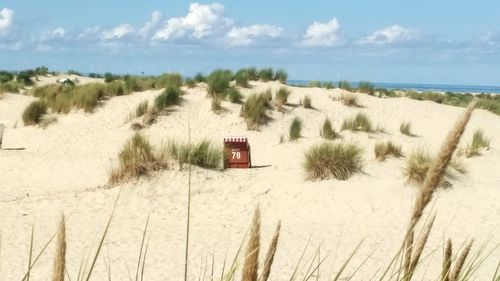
x=237 y=153
x=1 y=134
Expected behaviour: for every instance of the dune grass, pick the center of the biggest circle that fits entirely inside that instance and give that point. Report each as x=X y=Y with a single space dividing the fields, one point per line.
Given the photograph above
x=190 y=83
x=337 y=160
x=34 y=112
x=233 y=95
x=314 y=84
x=405 y=129
x=254 y=110
x=141 y=109
x=479 y=142
x=281 y=75
x=266 y=74
x=360 y=122
x=386 y=149
x=418 y=163
x=205 y=154
x=281 y=98
x=294 y=132
x=366 y=87
x=11 y=87
x=306 y=102
x=345 y=85
x=349 y=99
x=242 y=77
x=169 y=97
x=327 y=131
x=137 y=159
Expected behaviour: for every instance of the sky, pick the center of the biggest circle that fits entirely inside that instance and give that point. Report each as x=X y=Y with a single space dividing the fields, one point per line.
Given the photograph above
x=399 y=41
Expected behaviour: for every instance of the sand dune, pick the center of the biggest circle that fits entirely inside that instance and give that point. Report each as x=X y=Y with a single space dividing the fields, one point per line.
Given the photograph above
x=64 y=169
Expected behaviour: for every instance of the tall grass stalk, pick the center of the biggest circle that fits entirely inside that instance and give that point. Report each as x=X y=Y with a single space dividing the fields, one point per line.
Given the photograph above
x=60 y=257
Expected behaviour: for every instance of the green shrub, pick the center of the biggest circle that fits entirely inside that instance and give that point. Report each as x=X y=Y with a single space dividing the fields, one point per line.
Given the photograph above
x=479 y=141
x=383 y=150
x=241 y=77
x=95 y=75
x=218 y=82
x=266 y=74
x=337 y=160
x=253 y=74
x=199 y=77
x=360 y=122
x=281 y=75
x=109 y=77
x=10 y=87
x=169 y=79
x=366 y=87
x=349 y=99
x=314 y=84
x=327 y=131
x=205 y=154
x=295 y=128
x=282 y=96
x=170 y=96
x=74 y=72
x=234 y=95
x=328 y=85
x=34 y=112
x=6 y=76
x=141 y=109
x=254 y=110
x=41 y=71
x=137 y=159
x=190 y=83
x=24 y=77
x=405 y=129
x=419 y=162
x=306 y=102
x=344 y=84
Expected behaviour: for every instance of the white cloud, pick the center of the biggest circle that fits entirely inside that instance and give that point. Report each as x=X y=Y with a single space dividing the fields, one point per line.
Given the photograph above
x=117 y=32
x=243 y=36
x=391 y=34
x=151 y=24
x=53 y=34
x=320 y=34
x=6 y=20
x=201 y=21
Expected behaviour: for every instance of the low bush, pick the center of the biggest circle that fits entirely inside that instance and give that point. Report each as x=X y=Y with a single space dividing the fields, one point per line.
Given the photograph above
x=6 y=76
x=24 y=77
x=337 y=160
x=190 y=83
x=295 y=129
x=386 y=149
x=360 y=122
x=254 y=110
x=419 y=162
x=34 y=112
x=137 y=159
x=170 y=96
x=199 y=77
x=327 y=131
x=306 y=102
x=205 y=154
x=10 y=87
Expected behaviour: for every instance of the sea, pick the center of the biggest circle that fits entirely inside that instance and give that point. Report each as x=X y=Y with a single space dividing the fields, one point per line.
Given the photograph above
x=421 y=87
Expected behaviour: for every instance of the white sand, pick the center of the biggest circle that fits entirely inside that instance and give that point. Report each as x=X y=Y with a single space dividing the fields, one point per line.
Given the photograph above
x=64 y=168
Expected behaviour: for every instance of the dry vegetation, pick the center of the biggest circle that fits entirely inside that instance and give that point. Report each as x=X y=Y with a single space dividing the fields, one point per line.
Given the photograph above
x=205 y=154
x=479 y=142
x=254 y=110
x=327 y=131
x=360 y=122
x=386 y=149
x=337 y=160
x=405 y=129
x=349 y=99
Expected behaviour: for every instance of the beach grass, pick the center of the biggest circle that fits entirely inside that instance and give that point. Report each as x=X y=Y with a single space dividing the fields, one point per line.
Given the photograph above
x=327 y=131
x=366 y=87
x=386 y=149
x=479 y=141
x=344 y=85
x=294 y=132
x=405 y=129
x=349 y=99
x=333 y=160
x=266 y=74
x=34 y=112
x=360 y=122
x=205 y=154
x=306 y=102
x=169 y=97
x=281 y=97
x=254 y=110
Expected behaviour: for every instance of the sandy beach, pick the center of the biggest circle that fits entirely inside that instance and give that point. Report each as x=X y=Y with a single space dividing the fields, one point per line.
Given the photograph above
x=64 y=169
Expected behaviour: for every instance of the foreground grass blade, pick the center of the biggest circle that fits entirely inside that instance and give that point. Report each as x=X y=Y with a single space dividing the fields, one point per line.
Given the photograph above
x=142 y=247
x=347 y=261
x=31 y=251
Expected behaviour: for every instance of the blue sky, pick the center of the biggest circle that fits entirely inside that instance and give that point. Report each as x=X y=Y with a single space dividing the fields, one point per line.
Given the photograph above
x=447 y=42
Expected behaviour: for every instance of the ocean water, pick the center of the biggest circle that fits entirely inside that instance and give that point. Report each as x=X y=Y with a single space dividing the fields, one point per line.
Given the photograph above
x=422 y=87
